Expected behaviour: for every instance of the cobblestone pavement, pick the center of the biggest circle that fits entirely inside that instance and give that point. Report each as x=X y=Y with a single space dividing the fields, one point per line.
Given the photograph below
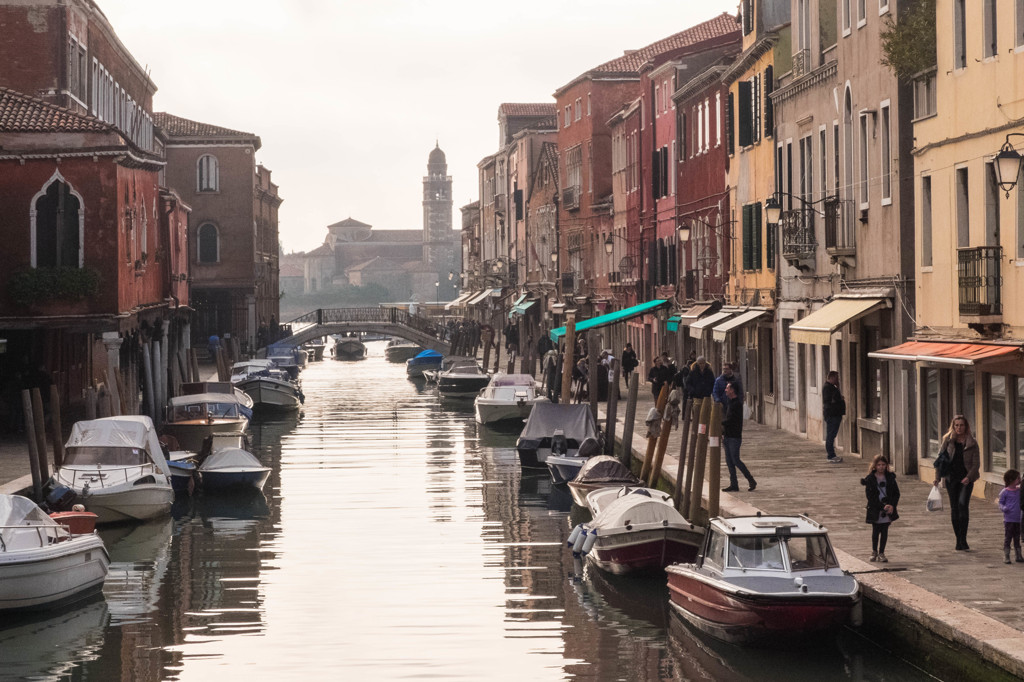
x=793 y=477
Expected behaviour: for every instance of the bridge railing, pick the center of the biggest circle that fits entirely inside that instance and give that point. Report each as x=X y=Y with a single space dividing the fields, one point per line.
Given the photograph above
x=367 y=314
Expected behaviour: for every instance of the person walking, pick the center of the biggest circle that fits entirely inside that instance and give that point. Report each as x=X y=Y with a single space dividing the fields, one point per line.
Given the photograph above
x=654 y=377
x=701 y=381
x=726 y=377
x=732 y=438
x=883 y=496
x=833 y=408
x=960 y=449
x=1009 y=504
x=629 y=362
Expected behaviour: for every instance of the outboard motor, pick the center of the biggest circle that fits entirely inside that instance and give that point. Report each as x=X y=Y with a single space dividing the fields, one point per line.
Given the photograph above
x=559 y=444
x=60 y=499
x=589 y=447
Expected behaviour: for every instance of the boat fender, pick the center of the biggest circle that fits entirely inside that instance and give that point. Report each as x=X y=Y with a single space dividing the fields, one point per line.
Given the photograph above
x=577 y=546
x=574 y=534
x=589 y=543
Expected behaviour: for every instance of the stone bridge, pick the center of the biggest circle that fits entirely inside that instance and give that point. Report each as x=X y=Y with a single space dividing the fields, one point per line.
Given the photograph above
x=422 y=331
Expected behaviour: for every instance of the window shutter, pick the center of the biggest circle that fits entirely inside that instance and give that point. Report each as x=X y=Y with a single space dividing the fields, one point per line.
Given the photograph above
x=755 y=210
x=655 y=173
x=681 y=127
x=755 y=124
x=652 y=263
x=769 y=110
x=748 y=243
x=743 y=116
x=518 y=198
x=663 y=274
x=730 y=145
x=673 y=263
x=664 y=171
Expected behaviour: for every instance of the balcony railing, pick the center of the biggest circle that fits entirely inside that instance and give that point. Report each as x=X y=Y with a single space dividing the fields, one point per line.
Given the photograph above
x=840 y=238
x=801 y=63
x=499 y=204
x=979 y=280
x=571 y=198
x=797 y=230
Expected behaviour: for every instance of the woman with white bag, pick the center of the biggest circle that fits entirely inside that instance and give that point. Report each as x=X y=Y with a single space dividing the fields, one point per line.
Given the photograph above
x=964 y=468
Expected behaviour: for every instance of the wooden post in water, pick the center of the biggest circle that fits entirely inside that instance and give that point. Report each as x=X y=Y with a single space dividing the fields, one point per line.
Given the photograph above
x=115 y=399
x=56 y=429
x=175 y=387
x=567 y=358
x=652 y=442
x=147 y=381
x=592 y=369
x=659 y=452
x=714 y=459
x=691 y=448
x=90 y=402
x=39 y=428
x=488 y=335
x=684 y=436
x=193 y=363
x=613 y=409
x=159 y=378
x=33 y=455
x=629 y=422
x=698 y=469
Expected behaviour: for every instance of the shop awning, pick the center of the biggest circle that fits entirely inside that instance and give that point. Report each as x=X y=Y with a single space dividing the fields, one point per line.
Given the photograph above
x=697 y=328
x=459 y=302
x=611 y=318
x=818 y=327
x=694 y=313
x=945 y=353
x=520 y=306
x=484 y=295
x=740 y=320
x=673 y=323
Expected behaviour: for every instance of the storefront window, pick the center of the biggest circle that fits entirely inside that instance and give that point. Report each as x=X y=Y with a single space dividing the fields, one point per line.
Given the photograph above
x=931 y=408
x=873 y=369
x=996 y=444
x=967 y=398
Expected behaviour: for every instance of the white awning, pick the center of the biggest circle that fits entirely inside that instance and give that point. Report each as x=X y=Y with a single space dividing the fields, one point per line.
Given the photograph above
x=745 y=318
x=697 y=327
x=459 y=302
x=484 y=295
x=818 y=327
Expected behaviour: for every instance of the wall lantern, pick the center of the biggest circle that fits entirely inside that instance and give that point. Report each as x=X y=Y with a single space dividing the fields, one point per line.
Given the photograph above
x=1008 y=162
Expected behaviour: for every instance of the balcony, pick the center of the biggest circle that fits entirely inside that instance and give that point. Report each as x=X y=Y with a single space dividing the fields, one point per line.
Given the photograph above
x=801 y=63
x=796 y=228
x=979 y=283
x=500 y=206
x=840 y=238
x=571 y=198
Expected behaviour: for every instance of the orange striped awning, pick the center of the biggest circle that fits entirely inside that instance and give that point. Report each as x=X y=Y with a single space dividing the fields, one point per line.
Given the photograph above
x=945 y=353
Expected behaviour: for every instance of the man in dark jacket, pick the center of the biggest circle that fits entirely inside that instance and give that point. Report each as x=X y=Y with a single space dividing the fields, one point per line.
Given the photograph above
x=727 y=376
x=701 y=381
x=732 y=438
x=629 y=362
x=833 y=409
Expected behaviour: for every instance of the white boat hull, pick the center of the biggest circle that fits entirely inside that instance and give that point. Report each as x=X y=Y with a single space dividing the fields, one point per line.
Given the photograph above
x=50 y=576
x=190 y=435
x=266 y=392
x=490 y=412
x=137 y=503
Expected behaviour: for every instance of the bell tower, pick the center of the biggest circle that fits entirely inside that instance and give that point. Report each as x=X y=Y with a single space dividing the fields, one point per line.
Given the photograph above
x=437 y=214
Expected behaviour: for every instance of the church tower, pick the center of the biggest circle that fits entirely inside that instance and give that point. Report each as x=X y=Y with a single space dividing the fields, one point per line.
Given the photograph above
x=438 y=254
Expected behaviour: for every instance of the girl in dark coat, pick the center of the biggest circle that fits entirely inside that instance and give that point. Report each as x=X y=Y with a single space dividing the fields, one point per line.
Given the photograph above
x=883 y=497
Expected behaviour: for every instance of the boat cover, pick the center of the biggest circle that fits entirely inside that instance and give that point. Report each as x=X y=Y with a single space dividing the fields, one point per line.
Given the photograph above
x=636 y=510
x=231 y=458
x=428 y=354
x=605 y=469
x=512 y=380
x=16 y=510
x=575 y=421
x=197 y=398
x=127 y=431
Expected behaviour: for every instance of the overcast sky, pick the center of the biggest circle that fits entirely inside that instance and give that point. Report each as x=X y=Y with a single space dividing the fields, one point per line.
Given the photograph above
x=349 y=96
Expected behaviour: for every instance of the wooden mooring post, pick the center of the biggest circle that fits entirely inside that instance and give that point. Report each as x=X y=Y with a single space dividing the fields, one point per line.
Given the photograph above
x=629 y=422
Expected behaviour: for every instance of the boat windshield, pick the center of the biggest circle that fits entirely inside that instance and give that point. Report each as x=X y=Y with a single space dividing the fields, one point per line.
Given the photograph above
x=108 y=456
x=807 y=552
x=759 y=551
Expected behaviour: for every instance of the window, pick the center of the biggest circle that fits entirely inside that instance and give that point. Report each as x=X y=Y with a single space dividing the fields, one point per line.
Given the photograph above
x=989 y=48
x=789 y=370
x=752 y=237
x=823 y=163
x=716 y=550
x=997 y=421
x=209 y=244
x=718 y=119
x=671 y=169
x=874 y=374
x=657 y=101
x=1018 y=33
x=755 y=121
x=579 y=108
x=864 y=157
x=590 y=166
x=932 y=398
x=924 y=96
x=992 y=196
x=846 y=16
x=926 y=221
x=959 y=34
x=1020 y=213
x=57 y=227
x=862 y=12
x=747 y=10
x=805 y=184
x=573 y=168
x=886 y=154
x=207 y=174
x=760 y=552
x=963 y=213
x=568 y=115
x=588 y=104
x=744 y=113
x=883 y=6
x=835 y=158
x=730 y=124
x=707 y=125
x=769 y=111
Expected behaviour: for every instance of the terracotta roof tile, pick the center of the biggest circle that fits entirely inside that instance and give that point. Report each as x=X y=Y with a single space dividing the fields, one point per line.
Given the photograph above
x=722 y=25
x=20 y=113
x=527 y=109
x=176 y=126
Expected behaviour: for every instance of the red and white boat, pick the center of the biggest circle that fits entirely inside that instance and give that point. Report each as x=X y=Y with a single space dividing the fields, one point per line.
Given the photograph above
x=764 y=579
x=638 y=531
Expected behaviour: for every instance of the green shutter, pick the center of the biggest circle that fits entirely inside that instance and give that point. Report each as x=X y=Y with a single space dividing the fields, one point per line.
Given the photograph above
x=755 y=209
x=748 y=240
x=744 y=114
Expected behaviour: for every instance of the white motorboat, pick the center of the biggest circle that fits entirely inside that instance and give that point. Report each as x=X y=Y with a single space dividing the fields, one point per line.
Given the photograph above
x=598 y=473
x=539 y=438
x=400 y=350
x=464 y=379
x=116 y=468
x=566 y=466
x=349 y=348
x=288 y=358
x=42 y=564
x=508 y=397
x=635 y=532
x=191 y=418
x=269 y=387
x=232 y=467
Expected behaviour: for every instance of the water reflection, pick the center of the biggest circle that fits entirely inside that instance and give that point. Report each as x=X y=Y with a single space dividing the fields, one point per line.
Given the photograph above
x=48 y=645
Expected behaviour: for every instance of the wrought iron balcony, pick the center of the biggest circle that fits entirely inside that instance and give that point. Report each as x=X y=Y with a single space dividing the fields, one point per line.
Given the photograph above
x=980 y=281
x=796 y=228
x=571 y=197
x=840 y=237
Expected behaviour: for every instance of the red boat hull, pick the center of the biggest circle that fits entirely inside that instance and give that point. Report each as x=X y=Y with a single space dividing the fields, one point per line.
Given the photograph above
x=752 y=618
x=645 y=551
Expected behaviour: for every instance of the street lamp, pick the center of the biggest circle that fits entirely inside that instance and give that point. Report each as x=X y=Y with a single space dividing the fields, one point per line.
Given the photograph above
x=1008 y=163
x=683 y=231
x=437 y=295
x=773 y=206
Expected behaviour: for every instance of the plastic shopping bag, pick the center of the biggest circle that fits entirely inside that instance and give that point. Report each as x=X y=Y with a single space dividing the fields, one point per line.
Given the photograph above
x=934 y=499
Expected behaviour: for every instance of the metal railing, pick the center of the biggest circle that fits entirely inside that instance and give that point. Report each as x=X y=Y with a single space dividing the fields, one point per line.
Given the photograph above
x=797 y=231
x=367 y=314
x=979 y=280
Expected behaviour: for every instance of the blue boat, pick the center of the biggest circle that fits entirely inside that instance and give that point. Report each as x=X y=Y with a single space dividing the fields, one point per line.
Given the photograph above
x=427 y=360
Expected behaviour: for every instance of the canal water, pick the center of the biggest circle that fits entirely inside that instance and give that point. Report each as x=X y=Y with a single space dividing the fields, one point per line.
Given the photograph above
x=395 y=540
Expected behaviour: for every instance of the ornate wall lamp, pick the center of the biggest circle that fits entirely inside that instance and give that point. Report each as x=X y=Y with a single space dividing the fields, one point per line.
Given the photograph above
x=1008 y=163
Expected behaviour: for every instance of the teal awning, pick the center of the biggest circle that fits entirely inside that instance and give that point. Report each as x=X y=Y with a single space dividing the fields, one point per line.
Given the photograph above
x=611 y=318
x=673 y=323
x=520 y=308
x=519 y=300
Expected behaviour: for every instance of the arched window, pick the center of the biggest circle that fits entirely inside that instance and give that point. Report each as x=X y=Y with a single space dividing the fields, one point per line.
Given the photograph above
x=57 y=227
x=207 y=175
x=209 y=243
